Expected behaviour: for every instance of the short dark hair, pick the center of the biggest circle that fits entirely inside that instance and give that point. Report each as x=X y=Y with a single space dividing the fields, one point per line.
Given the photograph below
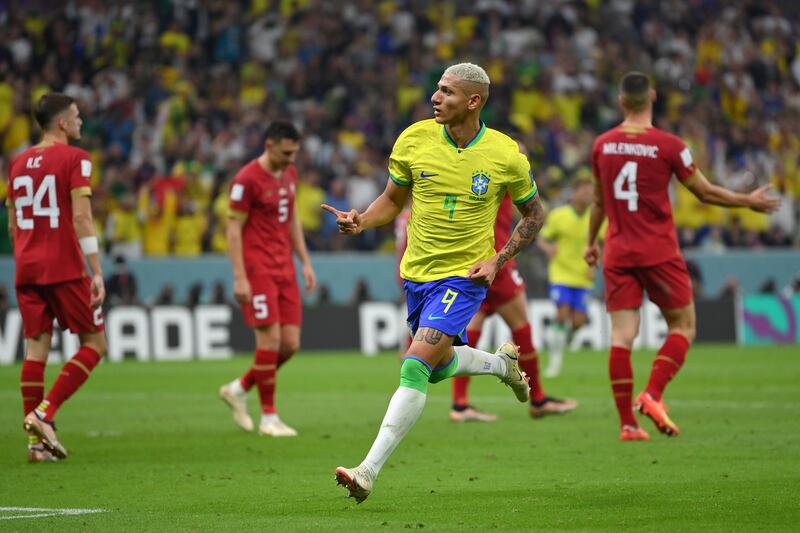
x=635 y=90
x=281 y=130
x=49 y=106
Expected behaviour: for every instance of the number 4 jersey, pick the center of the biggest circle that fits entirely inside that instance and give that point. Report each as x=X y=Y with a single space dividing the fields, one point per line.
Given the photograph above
x=43 y=180
x=265 y=205
x=634 y=167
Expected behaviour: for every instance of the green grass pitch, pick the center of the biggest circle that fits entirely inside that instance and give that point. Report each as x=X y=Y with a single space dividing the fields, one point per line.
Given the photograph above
x=153 y=446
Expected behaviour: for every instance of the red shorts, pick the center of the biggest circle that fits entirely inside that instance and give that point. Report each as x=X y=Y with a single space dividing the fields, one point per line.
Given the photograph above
x=667 y=285
x=275 y=300
x=506 y=285
x=68 y=302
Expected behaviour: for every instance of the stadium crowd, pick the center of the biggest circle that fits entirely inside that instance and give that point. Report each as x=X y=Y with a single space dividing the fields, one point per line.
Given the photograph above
x=176 y=94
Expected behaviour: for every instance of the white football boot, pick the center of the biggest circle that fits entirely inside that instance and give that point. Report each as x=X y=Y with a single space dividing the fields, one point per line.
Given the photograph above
x=514 y=378
x=273 y=426
x=238 y=405
x=356 y=480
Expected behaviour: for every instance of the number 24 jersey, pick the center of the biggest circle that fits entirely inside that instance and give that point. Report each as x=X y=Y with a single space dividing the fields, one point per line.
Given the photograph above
x=634 y=167
x=43 y=180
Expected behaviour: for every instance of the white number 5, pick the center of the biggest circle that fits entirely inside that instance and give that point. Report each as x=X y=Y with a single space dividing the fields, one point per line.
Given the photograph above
x=260 y=306
x=627 y=174
x=283 y=210
x=48 y=188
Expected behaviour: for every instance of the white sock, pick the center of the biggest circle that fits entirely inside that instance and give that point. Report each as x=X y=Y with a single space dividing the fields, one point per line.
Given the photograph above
x=474 y=362
x=404 y=409
x=558 y=342
x=268 y=419
x=236 y=387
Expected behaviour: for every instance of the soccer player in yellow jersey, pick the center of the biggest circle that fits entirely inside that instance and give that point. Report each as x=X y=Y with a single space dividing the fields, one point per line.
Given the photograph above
x=563 y=239
x=457 y=171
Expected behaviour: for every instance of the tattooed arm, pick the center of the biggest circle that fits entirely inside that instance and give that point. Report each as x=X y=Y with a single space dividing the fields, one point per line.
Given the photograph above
x=526 y=231
x=527 y=228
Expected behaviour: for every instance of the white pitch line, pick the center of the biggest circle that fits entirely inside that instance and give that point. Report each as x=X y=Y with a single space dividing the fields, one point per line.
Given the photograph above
x=41 y=512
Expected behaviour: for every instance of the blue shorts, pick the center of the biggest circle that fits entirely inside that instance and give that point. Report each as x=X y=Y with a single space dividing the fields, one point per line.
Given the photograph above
x=446 y=305
x=572 y=296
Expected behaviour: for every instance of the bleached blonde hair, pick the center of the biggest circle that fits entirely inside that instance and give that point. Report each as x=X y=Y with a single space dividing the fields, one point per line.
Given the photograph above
x=468 y=72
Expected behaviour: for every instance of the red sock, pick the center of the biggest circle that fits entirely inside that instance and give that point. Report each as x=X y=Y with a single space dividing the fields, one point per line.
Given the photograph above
x=264 y=367
x=529 y=360
x=621 y=373
x=31 y=383
x=461 y=384
x=668 y=361
x=73 y=374
x=248 y=379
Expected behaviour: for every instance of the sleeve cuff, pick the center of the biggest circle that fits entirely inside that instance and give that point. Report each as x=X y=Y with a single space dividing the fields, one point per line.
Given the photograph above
x=81 y=191
x=527 y=197
x=401 y=182
x=239 y=215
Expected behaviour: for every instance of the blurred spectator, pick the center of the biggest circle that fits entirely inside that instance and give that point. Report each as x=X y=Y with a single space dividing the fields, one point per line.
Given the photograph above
x=180 y=92
x=166 y=296
x=121 y=284
x=360 y=293
x=4 y=303
x=194 y=295
x=189 y=229
x=219 y=295
x=123 y=229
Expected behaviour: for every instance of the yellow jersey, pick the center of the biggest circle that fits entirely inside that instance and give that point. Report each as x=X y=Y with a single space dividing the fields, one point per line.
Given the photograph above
x=456 y=194
x=569 y=231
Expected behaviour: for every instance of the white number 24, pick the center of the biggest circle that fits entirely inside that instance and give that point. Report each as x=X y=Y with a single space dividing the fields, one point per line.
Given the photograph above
x=627 y=175
x=46 y=188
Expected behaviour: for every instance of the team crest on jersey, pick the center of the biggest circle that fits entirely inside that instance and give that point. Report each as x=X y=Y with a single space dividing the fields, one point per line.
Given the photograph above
x=480 y=183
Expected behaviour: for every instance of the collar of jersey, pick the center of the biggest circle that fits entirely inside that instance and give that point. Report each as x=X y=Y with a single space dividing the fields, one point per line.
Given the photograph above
x=471 y=143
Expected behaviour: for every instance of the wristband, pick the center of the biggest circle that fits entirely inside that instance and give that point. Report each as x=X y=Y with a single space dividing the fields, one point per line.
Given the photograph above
x=88 y=245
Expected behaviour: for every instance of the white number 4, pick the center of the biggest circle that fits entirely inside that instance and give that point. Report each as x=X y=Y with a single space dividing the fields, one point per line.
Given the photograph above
x=627 y=174
x=46 y=188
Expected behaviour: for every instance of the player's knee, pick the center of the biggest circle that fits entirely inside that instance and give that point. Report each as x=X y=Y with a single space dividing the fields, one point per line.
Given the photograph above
x=623 y=339
x=685 y=330
x=96 y=342
x=289 y=348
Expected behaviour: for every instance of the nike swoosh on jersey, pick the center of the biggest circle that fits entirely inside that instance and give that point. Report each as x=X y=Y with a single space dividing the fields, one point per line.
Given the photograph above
x=431 y=317
x=422 y=175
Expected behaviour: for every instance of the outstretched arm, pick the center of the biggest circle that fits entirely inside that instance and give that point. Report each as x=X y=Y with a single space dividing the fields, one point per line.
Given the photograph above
x=596 y=216
x=710 y=193
x=381 y=211
x=524 y=233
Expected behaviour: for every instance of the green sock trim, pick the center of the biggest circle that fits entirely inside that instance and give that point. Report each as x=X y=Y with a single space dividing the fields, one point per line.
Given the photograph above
x=414 y=374
x=446 y=371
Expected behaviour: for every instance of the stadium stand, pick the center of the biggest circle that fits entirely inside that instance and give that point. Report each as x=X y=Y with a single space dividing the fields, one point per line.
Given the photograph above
x=176 y=95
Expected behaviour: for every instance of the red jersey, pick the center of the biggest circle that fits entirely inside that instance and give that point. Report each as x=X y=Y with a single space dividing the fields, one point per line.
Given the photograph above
x=42 y=182
x=266 y=204
x=503 y=227
x=634 y=167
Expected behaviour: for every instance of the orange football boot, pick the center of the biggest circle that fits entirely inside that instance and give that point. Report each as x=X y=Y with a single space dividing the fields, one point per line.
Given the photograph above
x=632 y=433
x=657 y=412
